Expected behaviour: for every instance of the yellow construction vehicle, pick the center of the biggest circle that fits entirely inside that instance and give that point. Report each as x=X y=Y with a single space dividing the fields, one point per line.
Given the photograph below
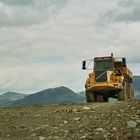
x=110 y=78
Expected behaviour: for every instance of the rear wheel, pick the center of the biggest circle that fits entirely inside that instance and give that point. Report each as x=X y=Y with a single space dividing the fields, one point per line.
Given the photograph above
x=131 y=92
x=122 y=94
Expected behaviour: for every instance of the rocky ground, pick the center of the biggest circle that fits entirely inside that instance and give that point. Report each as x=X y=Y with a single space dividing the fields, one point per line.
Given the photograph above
x=97 y=121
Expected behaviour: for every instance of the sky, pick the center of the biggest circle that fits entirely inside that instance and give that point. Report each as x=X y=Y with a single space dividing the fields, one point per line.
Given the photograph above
x=43 y=42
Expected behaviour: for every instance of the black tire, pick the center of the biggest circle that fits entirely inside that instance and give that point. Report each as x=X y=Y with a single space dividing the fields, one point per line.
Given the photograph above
x=122 y=94
x=106 y=99
x=99 y=98
x=131 y=92
x=90 y=96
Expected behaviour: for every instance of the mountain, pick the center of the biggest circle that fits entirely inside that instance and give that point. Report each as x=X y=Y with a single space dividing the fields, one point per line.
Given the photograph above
x=82 y=94
x=137 y=86
x=50 y=96
x=7 y=98
x=12 y=96
x=136 y=81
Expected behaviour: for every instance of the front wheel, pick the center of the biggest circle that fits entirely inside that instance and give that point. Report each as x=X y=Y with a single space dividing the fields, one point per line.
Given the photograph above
x=90 y=96
x=99 y=98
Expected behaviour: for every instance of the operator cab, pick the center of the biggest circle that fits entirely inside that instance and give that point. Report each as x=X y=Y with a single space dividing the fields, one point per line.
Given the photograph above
x=104 y=64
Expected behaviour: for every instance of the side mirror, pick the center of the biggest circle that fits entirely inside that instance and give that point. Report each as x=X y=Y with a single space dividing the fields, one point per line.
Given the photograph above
x=124 y=61
x=84 y=65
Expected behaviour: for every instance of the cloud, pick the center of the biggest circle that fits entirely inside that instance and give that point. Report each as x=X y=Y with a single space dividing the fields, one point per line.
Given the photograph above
x=17 y=2
x=26 y=13
x=35 y=77
x=43 y=42
x=126 y=11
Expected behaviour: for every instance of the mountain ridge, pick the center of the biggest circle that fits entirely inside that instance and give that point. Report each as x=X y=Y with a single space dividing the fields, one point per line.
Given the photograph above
x=7 y=98
x=50 y=96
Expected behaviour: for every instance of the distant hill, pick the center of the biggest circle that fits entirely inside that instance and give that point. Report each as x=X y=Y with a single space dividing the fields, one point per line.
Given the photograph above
x=82 y=94
x=7 y=98
x=51 y=96
x=12 y=96
x=137 y=86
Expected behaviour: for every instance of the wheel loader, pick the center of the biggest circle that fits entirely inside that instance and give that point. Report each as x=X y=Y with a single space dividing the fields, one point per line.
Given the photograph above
x=110 y=78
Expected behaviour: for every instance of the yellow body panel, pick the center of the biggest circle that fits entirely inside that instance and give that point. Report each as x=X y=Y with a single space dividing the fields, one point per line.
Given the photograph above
x=104 y=86
x=115 y=83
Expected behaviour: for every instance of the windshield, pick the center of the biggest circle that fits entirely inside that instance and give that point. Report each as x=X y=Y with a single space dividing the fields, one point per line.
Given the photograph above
x=101 y=65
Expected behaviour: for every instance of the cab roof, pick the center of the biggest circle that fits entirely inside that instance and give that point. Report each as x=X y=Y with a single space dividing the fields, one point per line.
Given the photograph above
x=104 y=58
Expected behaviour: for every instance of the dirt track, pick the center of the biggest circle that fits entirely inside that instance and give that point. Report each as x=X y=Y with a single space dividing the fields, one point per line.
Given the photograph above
x=99 y=121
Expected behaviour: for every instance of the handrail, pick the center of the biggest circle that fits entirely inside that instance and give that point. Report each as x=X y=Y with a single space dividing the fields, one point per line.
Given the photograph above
x=101 y=75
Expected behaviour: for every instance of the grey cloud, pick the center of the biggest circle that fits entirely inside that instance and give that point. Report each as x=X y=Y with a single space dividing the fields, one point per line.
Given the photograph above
x=126 y=11
x=28 y=12
x=17 y=2
x=126 y=3
x=32 y=2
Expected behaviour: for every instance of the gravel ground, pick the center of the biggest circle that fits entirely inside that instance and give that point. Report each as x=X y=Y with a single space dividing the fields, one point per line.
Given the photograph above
x=97 y=121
